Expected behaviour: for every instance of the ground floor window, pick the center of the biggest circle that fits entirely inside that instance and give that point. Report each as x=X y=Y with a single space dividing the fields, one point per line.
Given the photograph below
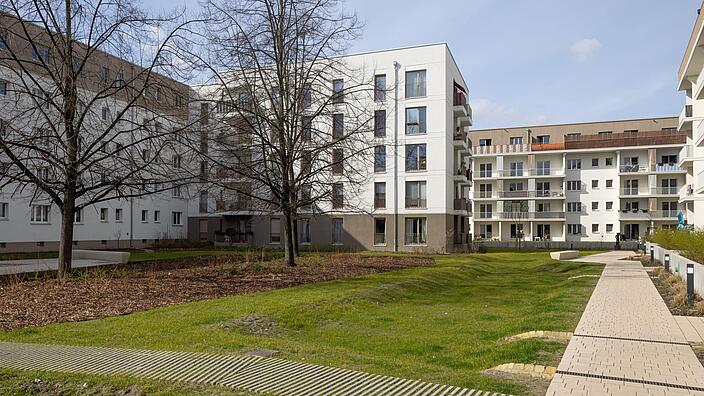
x=40 y=213
x=416 y=231
x=517 y=231
x=574 y=229
x=631 y=231
x=275 y=230
x=337 y=231
x=305 y=230
x=3 y=210
x=543 y=231
x=486 y=231
x=177 y=218
x=380 y=231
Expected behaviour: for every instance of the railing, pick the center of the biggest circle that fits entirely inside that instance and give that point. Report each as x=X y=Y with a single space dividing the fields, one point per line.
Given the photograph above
x=645 y=214
x=629 y=191
x=233 y=205
x=459 y=136
x=548 y=193
x=485 y=194
x=531 y=215
x=459 y=98
x=461 y=238
x=549 y=215
x=464 y=171
x=686 y=152
x=461 y=204
x=632 y=168
x=700 y=179
x=415 y=202
x=666 y=168
x=379 y=238
x=660 y=168
x=501 y=149
x=665 y=190
x=547 y=146
x=513 y=194
x=665 y=214
x=233 y=237
x=645 y=138
x=487 y=215
x=487 y=174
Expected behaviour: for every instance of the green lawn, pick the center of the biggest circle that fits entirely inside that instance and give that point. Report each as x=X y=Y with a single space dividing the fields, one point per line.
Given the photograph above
x=438 y=323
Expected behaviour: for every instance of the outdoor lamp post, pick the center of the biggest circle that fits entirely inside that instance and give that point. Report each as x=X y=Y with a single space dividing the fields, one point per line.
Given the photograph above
x=690 y=282
x=667 y=262
x=652 y=254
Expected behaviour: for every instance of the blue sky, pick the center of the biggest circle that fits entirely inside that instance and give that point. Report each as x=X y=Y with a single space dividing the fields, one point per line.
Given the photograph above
x=543 y=61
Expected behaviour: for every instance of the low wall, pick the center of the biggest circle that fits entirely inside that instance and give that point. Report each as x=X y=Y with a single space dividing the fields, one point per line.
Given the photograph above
x=678 y=265
x=560 y=245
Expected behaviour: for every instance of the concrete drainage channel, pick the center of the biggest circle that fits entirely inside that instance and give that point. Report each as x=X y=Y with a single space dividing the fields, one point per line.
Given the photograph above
x=248 y=372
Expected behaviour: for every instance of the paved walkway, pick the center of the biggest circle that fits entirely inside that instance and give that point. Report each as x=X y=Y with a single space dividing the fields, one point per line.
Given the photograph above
x=252 y=373
x=9 y=267
x=627 y=342
x=692 y=327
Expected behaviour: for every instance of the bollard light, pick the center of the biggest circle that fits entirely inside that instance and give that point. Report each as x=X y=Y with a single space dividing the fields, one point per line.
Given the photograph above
x=652 y=254
x=690 y=282
x=667 y=262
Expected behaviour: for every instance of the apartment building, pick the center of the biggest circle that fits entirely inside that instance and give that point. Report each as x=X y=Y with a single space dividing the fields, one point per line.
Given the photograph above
x=29 y=221
x=690 y=80
x=415 y=196
x=578 y=182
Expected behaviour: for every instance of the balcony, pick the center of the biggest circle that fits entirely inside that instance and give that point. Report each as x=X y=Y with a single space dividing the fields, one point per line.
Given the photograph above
x=463 y=174
x=549 y=215
x=700 y=182
x=487 y=216
x=634 y=191
x=514 y=216
x=625 y=139
x=686 y=118
x=687 y=193
x=646 y=215
x=485 y=194
x=632 y=168
x=460 y=106
x=233 y=206
x=502 y=149
x=664 y=191
x=514 y=194
x=667 y=168
x=547 y=146
x=686 y=156
x=459 y=139
x=462 y=204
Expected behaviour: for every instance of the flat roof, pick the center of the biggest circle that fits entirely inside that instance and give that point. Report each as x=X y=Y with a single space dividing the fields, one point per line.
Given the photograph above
x=575 y=123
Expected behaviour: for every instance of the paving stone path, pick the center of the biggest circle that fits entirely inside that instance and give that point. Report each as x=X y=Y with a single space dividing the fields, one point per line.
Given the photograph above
x=252 y=373
x=627 y=342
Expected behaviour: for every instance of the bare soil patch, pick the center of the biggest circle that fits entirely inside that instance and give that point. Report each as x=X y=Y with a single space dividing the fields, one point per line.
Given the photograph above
x=101 y=292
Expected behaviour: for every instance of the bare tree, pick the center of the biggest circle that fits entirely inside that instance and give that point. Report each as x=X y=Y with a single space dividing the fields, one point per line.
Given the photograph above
x=89 y=114
x=291 y=123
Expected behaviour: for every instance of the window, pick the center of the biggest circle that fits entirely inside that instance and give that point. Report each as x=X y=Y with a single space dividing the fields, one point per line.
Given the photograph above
x=609 y=183
x=157 y=94
x=595 y=228
x=380 y=231
x=307 y=95
x=668 y=159
x=338 y=161
x=176 y=191
x=3 y=40
x=40 y=53
x=275 y=230
x=574 y=185
x=574 y=229
x=543 y=168
x=416 y=159
x=337 y=229
x=415 y=194
x=305 y=231
x=542 y=139
x=485 y=211
x=416 y=230
x=609 y=205
x=104 y=74
x=595 y=205
x=515 y=169
x=338 y=88
x=78 y=216
x=485 y=170
x=415 y=84
x=515 y=140
x=574 y=207
x=40 y=214
x=630 y=130
x=595 y=162
x=176 y=161
x=338 y=126
x=517 y=231
x=157 y=216
x=415 y=120
x=595 y=183
x=176 y=218
x=4 y=214
x=306 y=128
x=485 y=142
x=178 y=100
x=380 y=123
x=203 y=202
x=380 y=159
x=104 y=113
x=338 y=200
x=118 y=215
x=669 y=129
x=605 y=133
x=574 y=164
x=609 y=161
x=380 y=87
x=145 y=216
x=609 y=228
x=3 y=87
x=379 y=195
x=104 y=215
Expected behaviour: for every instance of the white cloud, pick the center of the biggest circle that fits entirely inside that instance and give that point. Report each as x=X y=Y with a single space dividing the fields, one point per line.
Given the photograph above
x=583 y=49
x=488 y=114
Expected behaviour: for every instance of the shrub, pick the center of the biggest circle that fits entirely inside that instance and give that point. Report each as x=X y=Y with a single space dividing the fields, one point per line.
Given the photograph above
x=689 y=243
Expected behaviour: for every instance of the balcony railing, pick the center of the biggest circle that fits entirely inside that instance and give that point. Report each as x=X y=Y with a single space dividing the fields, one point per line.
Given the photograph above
x=513 y=194
x=665 y=190
x=547 y=146
x=415 y=203
x=502 y=149
x=232 y=237
x=487 y=215
x=379 y=238
x=549 y=215
x=667 y=168
x=462 y=204
x=523 y=172
x=630 y=191
x=644 y=214
x=485 y=194
x=531 y=215
x=632 y=168
x=645 y=138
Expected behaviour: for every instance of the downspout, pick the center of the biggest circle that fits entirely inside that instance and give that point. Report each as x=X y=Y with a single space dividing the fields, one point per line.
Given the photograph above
x=397 y=66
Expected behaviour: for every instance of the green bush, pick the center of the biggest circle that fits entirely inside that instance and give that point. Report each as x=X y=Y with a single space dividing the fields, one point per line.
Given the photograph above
x=689 y=243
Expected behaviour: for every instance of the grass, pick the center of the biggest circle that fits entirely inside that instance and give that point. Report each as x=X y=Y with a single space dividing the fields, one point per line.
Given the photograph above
x=439 y=323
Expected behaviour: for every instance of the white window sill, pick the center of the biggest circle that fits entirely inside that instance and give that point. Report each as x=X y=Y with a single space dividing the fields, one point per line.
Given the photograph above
x=4 y=218
x=379 y=245
x=103 y=221
x=177 y=225
x=144 y=222
x=118 y=221
x=338 y=244
x=415 y=244
x=40 y=222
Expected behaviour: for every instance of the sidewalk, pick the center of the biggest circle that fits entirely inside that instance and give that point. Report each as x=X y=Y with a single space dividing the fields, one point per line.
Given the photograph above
x=627 y=342
x=10 y=267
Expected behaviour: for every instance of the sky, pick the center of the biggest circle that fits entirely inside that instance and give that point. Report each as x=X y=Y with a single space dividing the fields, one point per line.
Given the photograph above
x=533 y=62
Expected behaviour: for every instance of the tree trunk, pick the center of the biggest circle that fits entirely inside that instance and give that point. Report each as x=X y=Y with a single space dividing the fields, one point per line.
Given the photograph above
x=294 y=226
x=288 y=239
x=66 y=241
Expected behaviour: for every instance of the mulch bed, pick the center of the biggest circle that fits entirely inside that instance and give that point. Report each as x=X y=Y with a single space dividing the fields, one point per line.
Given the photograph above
x=121 y=290
x=668 y=295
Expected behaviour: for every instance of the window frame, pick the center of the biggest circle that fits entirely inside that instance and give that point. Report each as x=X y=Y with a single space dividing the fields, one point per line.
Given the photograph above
x=422 y=123
x=421 y=84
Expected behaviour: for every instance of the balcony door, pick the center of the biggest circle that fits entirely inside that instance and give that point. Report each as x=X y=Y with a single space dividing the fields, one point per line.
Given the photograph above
x=543 y=231
x=543 y=168
x=485 y=191
x=669 y=186
x=631 y=231
x=516 y=169
x=669 y=209
x=542 y=189
x=631 y=187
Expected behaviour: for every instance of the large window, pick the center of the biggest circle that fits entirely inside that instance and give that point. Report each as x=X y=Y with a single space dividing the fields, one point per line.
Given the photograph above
x=574 y=185
x=416 y=230
x=485 y=211
x=516 y=169
x=574 y=164
x=3 y=87
x=415 y=194
x=380 y=231
x=338 y=126
x=338 y=161
x=275 y=230
x=305 y=230
x=416 y=157
x=379 y=195
x=543 y=168
x=380 y=87
x=415 y=83
x=3 y=40
x=542 y=139
x=574 y=229
x=40 y=53
x=380 y=123
x=177 y=218
x=118 y=215
x=306 y=128
x=338 y=199
x=40 y=214
x=415 y=120
x=380 y=159
x=515 y=140
x=203 y=203
x=484 y=142
x=517 y=231
x=574 y=207
x=307 y=95
x=337 y=231
x=4 y=214
x=103 y=215
x=338 y=88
